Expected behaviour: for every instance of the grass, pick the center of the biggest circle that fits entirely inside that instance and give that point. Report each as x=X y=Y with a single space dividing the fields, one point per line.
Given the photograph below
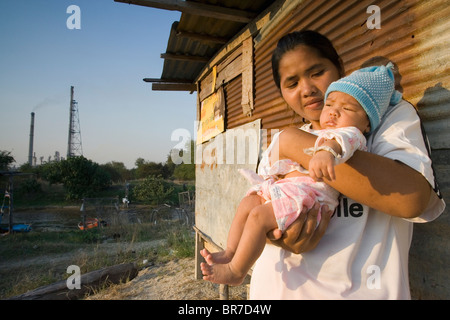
x=35 y=259
x=30 y=260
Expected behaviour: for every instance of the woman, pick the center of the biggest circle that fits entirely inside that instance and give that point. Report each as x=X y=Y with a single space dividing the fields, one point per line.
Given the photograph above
x=362 y=251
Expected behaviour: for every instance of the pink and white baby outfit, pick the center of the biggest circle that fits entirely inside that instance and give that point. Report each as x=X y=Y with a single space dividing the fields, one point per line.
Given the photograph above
x=289 y=196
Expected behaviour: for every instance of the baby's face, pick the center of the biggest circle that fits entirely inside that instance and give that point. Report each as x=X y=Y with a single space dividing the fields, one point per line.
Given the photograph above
x=342 y=110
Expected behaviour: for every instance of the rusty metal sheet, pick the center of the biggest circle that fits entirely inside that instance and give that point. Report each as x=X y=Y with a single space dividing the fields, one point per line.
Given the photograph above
x=414 y=34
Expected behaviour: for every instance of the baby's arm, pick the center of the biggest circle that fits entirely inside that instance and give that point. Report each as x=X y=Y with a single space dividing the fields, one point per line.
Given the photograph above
x=323 y=160
x=332 y=147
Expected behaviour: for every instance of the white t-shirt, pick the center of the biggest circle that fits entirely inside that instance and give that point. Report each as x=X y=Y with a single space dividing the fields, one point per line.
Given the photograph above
x=364 y=252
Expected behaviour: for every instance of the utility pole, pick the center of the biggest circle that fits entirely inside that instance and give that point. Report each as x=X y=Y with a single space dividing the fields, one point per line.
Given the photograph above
x=74 y=146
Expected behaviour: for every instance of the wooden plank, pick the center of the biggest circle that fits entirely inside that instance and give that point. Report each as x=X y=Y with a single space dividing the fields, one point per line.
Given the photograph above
x=184 y=57
x=202 y=37
x=195 y=8
x=158 y=80
x=227 y=74
x=227 y=70
x=174 y=87
x=199 y=246
x=202 y=241
x=229 y=59
x=89 y=281
x=247 y=77
x=208 y=243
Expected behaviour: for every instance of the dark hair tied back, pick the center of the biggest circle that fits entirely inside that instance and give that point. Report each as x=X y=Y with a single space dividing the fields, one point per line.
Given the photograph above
x=308 y=38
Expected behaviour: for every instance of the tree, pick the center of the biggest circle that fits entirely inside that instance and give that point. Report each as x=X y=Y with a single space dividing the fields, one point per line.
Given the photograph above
x=150 y=168
x=186 y=171
x=170 y=165
x=80 y=177
x=50 y=172
x=139 y=162
x=117 y=171
x=183 y=171
x=6 y=160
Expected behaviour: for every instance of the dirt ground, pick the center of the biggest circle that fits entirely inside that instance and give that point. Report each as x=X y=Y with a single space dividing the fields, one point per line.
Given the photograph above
x=173 y=280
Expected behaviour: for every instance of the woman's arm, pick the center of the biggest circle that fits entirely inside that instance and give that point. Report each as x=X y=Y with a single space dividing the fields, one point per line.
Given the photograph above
x=378 y=182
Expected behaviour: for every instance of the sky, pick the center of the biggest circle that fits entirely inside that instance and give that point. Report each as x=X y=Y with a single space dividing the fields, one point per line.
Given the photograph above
x=117 y=45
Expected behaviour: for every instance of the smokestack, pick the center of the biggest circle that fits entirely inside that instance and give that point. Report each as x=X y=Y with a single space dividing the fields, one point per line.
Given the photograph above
x=30 y=150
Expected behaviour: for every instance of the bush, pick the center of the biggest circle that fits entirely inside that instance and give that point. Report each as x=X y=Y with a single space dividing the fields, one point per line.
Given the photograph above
x=30 y=186
x=153 y=190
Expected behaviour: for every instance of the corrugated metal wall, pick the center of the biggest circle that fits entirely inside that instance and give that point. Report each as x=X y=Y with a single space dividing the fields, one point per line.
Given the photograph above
x=233 y=94
x=414 y=34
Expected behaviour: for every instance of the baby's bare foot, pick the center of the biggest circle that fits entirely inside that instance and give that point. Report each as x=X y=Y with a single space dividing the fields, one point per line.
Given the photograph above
x=221 y=273
x=216 y=257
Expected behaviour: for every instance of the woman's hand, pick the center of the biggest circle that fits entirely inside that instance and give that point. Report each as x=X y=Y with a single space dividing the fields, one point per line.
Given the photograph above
x=303 y=234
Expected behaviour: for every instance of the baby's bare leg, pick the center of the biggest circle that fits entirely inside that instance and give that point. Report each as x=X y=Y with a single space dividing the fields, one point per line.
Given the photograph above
x=247 y=204
x=260 y=221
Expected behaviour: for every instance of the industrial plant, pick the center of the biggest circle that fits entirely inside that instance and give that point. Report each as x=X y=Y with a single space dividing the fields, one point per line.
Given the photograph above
x=74 y=144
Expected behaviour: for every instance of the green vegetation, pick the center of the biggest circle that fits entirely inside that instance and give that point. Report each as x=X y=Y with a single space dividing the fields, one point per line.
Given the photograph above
x=31 y=192
x=6 y=159
x=34 y=259
x=79 y=176
x=68 y=181
x=153 y=190
x=155 y=235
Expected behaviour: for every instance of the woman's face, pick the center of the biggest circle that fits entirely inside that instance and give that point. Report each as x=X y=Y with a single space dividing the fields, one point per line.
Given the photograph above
x=304 y=79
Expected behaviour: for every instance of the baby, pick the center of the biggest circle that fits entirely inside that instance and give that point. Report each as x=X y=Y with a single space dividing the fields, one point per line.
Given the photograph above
x=353 y=107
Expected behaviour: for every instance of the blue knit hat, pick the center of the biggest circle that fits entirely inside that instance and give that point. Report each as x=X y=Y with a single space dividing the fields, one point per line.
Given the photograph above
x=373 y=88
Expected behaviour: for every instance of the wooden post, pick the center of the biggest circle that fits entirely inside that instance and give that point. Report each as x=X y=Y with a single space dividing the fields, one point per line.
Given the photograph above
x=223 y=292
x=247 y=102
x=199 y=245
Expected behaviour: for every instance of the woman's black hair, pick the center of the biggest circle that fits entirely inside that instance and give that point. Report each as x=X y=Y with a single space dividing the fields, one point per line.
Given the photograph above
x=308 y=38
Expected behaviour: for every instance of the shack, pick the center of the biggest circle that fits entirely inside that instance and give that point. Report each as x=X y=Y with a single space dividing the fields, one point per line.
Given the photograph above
x=221 y=49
